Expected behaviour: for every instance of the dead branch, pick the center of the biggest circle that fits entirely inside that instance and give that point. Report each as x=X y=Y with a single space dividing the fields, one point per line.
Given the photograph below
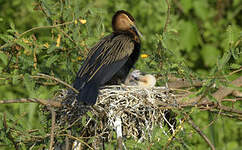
x=58 y=80
x=218 y=95
x=237 y=93
x=30 y=30
x=52 y=134
x=199 y=131
x=75 y=138
x=33 y=100
x=8 y=133
x=167 y=17
x=184 y=84
x=177 y=130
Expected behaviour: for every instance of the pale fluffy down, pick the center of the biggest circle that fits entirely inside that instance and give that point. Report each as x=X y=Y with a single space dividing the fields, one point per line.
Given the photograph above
x=147 y=81
x=137 y=78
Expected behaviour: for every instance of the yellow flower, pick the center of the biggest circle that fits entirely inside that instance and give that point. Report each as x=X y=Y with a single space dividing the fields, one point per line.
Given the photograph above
x=46 y=45
x=25 y=41
x=83 y=21
x=58 y=40
x=79 y=58
x=144 y=55
x=75 y=21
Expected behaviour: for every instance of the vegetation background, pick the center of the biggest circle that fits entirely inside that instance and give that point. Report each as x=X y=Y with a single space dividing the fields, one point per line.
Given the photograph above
x=202 y=40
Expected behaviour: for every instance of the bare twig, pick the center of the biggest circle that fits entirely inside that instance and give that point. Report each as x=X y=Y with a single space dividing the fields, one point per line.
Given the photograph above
x=218 y=95
x=75 y=138
x=52 y=134
x=179 y=128
x=8 y=133
x=120 y=143
x=35 y=28
x=67 y=142
x=199 y=131
x=236 y=71
x=168 y=16
x=58 y=80
x=184 y=84
x=229 y=109
x=224 y=91
x=237 y=93
x=32 y=100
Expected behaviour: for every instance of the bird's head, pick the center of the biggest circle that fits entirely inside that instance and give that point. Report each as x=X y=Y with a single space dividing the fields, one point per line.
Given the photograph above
x=123 y=21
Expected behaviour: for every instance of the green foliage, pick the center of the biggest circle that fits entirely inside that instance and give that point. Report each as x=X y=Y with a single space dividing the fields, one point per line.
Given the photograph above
x=202 y=41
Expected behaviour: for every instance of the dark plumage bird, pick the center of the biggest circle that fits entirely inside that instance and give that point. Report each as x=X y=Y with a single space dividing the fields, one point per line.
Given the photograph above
x=110 y=59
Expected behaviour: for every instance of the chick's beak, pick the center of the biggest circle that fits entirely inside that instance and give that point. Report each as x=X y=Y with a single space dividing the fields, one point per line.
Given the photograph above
x=134 y=28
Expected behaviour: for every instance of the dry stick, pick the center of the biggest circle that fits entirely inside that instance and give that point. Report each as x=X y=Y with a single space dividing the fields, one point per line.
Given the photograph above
x=199 y=131
x=75 y=138
x=52 y=133
x=228 y=109
x=67 y=142
x=32 y=100
x=35 y=28
x=237 y=93
x=236 y=71
x=224 y=91
x=60 y=81
x=8 y=133
x=167 y=17
x=184 y=84
x=177 y=130
x=237 y=117
x=219 y=94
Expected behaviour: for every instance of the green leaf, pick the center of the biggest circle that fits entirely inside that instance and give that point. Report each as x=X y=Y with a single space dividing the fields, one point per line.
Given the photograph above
x=4 y=58
x=29 y=84
x=202 y=9
x=15 y=79
x=90 y=114
x=51 y=49
x=189 y=36
x=186 y=5
x=6 y=38
x=224 y=60
x=235 y=53
x=84 y=120
x=230 y=35
x=235 y=66
x=210 y=55
x=51 y=60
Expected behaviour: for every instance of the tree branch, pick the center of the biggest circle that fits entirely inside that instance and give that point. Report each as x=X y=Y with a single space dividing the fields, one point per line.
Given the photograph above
x=52 y=133
x=218 y=95
x=8 y=133
x=199 y=131
x=35 y=28
x=58 y=80
x=167 y=17
x=32 y=100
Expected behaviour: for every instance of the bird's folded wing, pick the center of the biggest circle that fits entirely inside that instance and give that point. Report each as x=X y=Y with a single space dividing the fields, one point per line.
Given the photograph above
x=106 y=52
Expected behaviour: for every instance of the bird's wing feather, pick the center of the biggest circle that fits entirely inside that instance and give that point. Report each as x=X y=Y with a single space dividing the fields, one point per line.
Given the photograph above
x=109 y=50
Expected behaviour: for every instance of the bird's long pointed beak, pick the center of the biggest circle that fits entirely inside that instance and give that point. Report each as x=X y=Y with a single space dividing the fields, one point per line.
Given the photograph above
x=136 y=31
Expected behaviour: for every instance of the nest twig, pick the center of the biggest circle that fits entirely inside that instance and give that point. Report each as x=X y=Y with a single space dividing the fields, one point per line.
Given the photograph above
x=136 y=107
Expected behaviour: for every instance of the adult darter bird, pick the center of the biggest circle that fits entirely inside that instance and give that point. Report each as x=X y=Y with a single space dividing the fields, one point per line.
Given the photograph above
x=111 y=58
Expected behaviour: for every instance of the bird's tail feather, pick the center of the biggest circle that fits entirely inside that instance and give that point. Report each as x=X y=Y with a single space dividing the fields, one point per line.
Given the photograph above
x=88 y=94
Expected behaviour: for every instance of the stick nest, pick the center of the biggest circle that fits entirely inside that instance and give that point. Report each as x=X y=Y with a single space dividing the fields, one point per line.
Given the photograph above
x=136 y=107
